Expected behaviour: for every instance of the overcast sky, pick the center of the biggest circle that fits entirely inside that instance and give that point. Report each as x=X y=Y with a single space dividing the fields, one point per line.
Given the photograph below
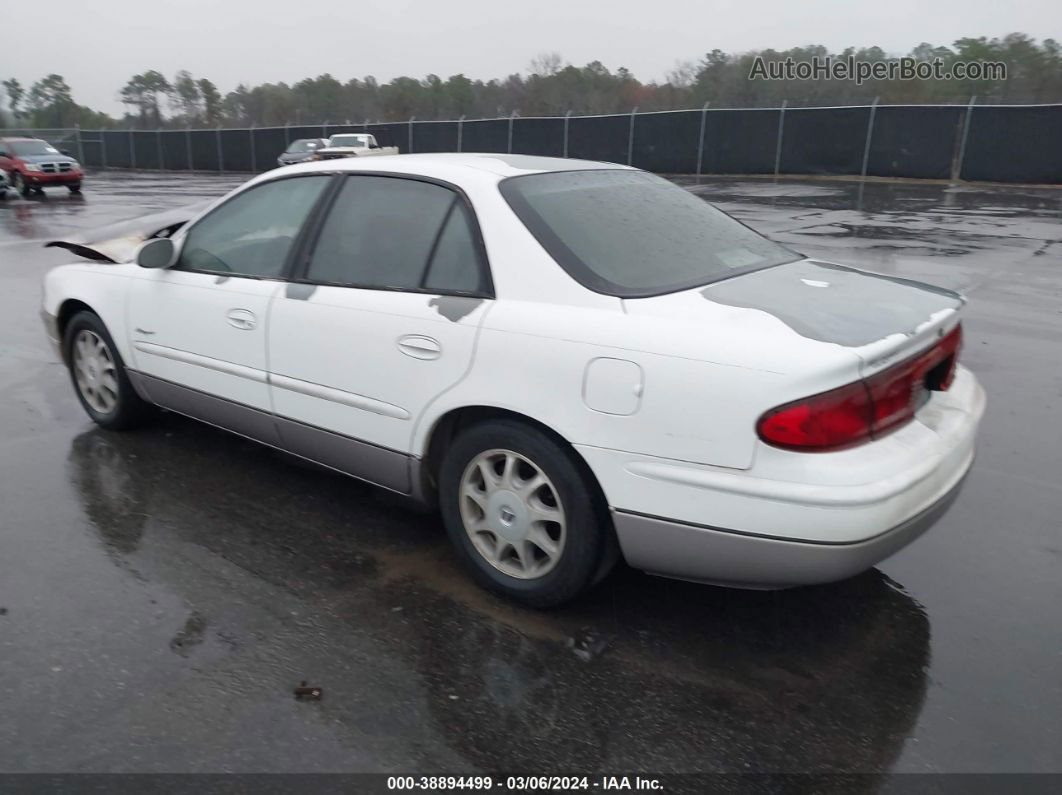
x=98 y=45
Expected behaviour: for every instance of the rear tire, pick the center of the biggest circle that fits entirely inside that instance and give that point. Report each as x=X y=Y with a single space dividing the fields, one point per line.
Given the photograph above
x=74 y=188
x=99 y=376
x=523 y=515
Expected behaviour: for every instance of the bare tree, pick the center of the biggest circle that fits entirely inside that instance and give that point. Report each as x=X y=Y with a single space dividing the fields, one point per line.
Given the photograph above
x=546 y=64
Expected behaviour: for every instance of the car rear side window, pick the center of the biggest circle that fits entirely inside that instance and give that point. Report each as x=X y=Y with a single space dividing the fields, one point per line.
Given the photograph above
x=455 y=264
x=252 y=233
x=398 y=234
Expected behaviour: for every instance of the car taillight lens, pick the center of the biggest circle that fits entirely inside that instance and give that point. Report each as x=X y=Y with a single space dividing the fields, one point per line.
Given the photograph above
x=834 y=419
x=865 y=410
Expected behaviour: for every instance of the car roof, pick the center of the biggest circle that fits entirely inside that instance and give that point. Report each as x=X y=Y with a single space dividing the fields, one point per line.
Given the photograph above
x=502 y=165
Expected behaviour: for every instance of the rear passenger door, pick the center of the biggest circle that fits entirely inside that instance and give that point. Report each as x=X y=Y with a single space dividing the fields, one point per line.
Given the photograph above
x=381 y=319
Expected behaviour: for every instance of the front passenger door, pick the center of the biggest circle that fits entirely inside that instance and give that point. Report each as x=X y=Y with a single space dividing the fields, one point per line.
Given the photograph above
x=198 y=329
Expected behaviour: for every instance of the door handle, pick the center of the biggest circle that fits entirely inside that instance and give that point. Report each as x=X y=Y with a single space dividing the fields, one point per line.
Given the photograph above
x=419 y=346
x=242 y=319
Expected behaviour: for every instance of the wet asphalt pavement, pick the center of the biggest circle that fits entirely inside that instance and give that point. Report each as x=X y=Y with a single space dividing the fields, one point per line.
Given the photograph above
x=162 y=592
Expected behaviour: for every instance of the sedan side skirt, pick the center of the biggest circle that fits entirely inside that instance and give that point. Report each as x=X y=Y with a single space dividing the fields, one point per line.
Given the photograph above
x=380 y=466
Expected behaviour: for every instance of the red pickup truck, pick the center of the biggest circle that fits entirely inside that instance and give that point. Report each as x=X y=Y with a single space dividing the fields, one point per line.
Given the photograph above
x=32 y=164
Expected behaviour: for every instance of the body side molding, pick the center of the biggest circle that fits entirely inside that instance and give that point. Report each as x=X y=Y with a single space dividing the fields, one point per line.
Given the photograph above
x=219 y=365
x=340 y=396
x=309 y=388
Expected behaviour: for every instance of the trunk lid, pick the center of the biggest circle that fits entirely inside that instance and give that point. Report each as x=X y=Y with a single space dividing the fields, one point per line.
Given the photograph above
x=882 y=319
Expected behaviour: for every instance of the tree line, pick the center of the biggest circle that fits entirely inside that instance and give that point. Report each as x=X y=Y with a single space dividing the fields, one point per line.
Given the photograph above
x=550 y=87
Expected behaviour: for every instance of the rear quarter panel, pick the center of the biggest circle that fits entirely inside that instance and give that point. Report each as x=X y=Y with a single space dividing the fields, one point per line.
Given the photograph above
x=700 y=392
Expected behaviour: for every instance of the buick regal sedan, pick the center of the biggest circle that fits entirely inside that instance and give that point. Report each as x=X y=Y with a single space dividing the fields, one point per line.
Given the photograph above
x=575 y=361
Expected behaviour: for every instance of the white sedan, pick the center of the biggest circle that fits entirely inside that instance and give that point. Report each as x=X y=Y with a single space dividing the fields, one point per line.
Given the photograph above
x=576 y=361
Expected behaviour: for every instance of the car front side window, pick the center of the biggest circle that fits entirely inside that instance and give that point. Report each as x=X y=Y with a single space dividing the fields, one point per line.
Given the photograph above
x=253 y=233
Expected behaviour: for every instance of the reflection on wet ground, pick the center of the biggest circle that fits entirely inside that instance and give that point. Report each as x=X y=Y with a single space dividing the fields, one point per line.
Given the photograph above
x=647 y=671
x=165 y=591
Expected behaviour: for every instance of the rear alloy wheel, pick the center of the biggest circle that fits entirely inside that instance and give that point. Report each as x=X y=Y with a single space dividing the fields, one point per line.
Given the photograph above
x=512 y=514
x=524 y=514
x=99 y=375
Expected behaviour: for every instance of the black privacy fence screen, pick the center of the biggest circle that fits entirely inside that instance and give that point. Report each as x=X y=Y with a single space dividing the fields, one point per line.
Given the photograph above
x=1000 y=143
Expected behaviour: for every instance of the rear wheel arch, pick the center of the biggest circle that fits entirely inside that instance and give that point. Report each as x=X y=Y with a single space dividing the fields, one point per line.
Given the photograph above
x=447 y=427
x=450 y=429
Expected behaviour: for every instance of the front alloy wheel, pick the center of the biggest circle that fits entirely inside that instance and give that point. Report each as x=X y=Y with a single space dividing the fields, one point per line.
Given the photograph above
x=512 y=514
x=99 y=375
x=95 y=372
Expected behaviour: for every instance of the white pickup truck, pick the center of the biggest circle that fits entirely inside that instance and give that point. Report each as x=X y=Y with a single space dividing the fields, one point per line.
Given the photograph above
x=353 y=145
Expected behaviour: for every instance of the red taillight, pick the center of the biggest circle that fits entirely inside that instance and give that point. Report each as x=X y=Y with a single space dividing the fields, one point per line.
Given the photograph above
x=834 y=419
x=865 y=410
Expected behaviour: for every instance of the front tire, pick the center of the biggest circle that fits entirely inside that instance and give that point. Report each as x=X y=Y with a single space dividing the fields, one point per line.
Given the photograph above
x=74 y=188
x=99 y=376
x=524 y=516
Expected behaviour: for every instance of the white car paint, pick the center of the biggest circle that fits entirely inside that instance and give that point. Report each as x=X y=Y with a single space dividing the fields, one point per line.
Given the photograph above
x=179 y=322
x=367 y=330
x=659 y=396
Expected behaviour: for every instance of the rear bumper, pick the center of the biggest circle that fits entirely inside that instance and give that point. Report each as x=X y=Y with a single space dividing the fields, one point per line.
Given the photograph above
x=793 y=518
x=727 y=557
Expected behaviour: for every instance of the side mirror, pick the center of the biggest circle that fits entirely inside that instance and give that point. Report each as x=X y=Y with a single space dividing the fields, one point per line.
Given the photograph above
x=3 y=153
x=374 y=146
x=156 y=253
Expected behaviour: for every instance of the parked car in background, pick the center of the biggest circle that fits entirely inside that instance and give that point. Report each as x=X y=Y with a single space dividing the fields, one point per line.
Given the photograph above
x=32 y=164
x=353 y=145
x=573 y=360
x=300 y=151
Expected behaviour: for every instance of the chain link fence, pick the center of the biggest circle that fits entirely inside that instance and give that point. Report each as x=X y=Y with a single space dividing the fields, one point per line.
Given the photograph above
x=1000 y=143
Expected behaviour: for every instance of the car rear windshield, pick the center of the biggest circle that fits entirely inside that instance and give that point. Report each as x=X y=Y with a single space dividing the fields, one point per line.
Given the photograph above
x=633 y=234
x=30 y=148
x=355 y=141
x=304 y=145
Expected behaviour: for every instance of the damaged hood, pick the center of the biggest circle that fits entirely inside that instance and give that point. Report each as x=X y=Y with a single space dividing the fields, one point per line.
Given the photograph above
x=119 y=242
x=878 y=317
